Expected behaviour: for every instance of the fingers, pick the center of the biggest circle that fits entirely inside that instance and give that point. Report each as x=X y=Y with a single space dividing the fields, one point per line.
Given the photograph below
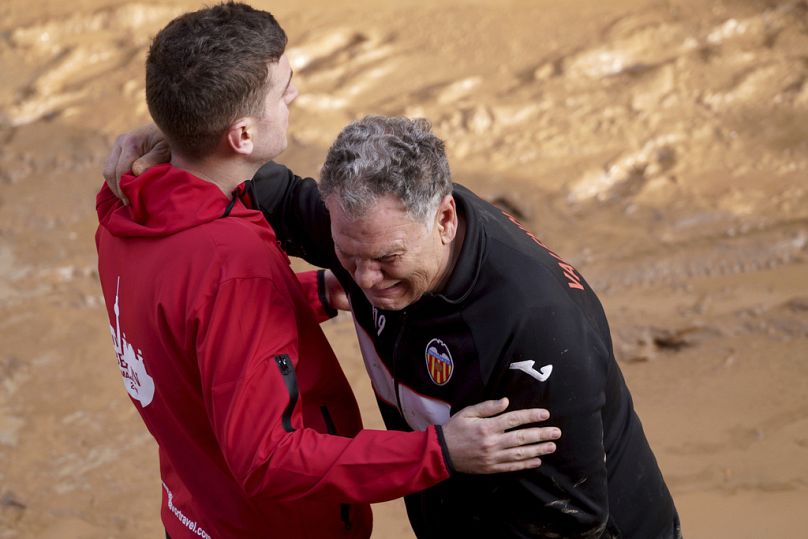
x=141 y=164
x=110 y=166
x=517 y=418
x=479 y=443
x=112 y=160
x=535 y=435
x=159 y=154
x=485 y=408
x=520 y=458
x=526 y=452
x=130 y=151
x=515 y=466
x=128 y=154
x=119 y=161
x=525 y=457
x=506 y=421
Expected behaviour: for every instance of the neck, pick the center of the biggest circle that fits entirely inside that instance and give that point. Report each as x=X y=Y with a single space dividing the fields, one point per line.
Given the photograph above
x=226 y=174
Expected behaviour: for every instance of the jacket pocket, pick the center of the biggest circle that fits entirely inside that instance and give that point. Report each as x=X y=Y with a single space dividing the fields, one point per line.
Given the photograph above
x=284 y=363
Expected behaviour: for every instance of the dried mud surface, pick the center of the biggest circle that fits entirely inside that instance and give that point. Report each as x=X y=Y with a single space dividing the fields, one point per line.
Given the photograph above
x=661 y=146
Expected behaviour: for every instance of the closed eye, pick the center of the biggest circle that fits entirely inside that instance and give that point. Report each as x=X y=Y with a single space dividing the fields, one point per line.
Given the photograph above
x=386 y=259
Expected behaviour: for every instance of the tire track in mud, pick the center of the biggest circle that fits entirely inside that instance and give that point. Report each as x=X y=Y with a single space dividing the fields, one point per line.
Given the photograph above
x=741 y=438
x=672 y=268
x=712 y=256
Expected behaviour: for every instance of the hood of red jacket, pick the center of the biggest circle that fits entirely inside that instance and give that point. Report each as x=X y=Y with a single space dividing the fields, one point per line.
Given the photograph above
x=163 y=200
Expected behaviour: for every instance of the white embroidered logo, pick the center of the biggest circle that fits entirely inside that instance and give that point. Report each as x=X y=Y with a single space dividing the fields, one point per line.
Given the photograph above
x=136 y=380
x=527 y=367
x=378 y=320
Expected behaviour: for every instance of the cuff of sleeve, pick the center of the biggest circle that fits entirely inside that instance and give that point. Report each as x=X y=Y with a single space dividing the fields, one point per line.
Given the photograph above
x=321 y=292
x=445 y=450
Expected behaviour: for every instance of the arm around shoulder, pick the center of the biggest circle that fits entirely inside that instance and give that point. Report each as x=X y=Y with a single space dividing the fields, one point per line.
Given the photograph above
x=258 y=419
x=295 y=209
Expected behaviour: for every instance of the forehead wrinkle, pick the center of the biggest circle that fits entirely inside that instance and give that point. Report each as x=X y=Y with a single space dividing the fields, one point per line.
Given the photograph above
x=380 y=231
x=398 y=245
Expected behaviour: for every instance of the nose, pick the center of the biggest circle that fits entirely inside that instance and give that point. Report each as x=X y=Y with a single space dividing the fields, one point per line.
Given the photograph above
x=367 y=274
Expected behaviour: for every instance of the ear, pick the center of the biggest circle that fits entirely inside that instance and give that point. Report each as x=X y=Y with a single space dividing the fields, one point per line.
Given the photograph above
x=446 y=219
x=240 y=136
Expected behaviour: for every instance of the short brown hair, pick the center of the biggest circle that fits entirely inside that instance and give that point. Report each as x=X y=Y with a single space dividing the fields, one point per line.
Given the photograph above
x=207 y=68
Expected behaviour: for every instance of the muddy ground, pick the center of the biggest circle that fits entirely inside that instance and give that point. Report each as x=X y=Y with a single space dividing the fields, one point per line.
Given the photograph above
x=660 y=146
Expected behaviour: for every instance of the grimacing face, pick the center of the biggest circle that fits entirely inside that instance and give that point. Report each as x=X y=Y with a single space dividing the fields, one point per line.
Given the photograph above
x=393 y=258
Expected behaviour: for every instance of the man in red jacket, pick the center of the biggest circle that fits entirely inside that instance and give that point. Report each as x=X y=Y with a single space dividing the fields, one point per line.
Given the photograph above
x=218 y=345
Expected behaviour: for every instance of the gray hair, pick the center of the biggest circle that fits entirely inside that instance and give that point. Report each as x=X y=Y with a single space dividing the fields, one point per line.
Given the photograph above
x=378 y=156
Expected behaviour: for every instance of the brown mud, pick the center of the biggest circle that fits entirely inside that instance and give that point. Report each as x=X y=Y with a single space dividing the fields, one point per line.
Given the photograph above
x=660 y=146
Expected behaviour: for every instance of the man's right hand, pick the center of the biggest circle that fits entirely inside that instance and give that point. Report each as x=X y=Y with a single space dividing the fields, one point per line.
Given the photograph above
x=478 y=443
x=136 y=151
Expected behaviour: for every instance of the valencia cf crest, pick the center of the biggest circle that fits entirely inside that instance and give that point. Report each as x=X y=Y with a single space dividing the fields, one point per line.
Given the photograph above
x=439 y=362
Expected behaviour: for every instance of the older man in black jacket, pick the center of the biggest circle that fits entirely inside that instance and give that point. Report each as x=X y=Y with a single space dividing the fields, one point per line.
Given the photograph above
x=455 y=302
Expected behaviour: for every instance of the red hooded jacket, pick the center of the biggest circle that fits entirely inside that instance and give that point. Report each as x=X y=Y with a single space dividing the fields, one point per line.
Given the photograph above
x=222 y=355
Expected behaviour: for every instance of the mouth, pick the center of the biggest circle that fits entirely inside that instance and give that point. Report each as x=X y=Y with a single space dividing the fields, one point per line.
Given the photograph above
x=390 y=290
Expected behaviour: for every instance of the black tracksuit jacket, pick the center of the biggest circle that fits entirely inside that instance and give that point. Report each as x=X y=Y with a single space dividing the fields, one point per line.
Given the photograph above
x=514 y=321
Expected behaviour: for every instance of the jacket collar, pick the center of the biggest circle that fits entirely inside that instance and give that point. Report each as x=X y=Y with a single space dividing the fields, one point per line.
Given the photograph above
x=467 y=267
x=164 y=200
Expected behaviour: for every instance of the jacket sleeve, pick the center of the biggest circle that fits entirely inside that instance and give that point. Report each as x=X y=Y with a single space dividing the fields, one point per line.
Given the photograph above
x=297 y=213
x=244 y=329
x=561 y=365
x=313 y=284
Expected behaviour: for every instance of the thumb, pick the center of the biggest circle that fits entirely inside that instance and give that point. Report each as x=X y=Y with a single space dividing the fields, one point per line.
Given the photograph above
x=140 y=166
x=158 y=154
x=486 y=408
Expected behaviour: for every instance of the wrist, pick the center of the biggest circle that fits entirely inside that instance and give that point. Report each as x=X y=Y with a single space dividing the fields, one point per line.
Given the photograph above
x=322 y=292
x=447 y=458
